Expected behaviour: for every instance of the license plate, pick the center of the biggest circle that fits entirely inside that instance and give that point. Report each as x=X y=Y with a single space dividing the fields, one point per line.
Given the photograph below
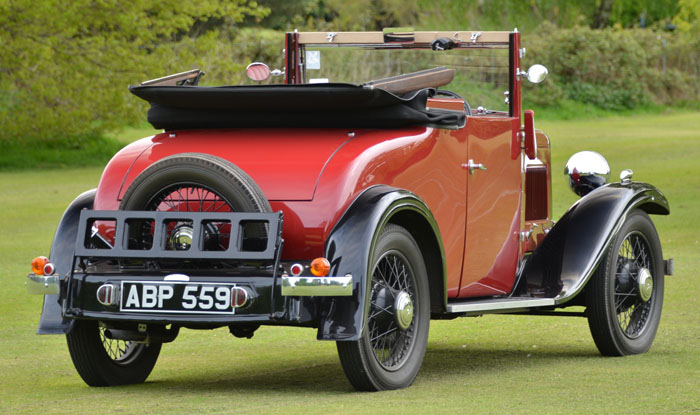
x=177 y=297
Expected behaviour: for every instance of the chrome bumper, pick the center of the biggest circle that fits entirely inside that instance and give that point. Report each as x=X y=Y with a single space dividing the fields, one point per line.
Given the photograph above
x=317 y=286
x=42 y=284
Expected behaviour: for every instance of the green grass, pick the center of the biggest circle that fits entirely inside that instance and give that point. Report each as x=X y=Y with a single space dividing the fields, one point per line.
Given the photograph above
x=492 y=365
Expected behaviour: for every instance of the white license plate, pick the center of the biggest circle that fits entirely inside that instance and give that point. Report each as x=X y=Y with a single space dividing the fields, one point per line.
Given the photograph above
x=176 y=297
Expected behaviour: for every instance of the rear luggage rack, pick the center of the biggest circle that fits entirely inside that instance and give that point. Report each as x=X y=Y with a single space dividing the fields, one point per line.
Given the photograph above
x=86 y=248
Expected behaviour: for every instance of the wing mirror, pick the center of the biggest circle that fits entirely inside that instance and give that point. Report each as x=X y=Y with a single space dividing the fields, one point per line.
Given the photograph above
x=258 y=71
x=536 y=74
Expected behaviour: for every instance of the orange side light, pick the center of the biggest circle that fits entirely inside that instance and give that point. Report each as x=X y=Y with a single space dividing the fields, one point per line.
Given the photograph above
x=320 y=267
x=38 y=264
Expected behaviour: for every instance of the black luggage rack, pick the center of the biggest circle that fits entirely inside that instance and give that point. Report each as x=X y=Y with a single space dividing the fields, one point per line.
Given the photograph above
x=122 y=218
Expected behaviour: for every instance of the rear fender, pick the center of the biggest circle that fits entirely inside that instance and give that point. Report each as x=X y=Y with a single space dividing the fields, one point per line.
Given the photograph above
x=62 y=252
x=568 y=256
x=350 y=248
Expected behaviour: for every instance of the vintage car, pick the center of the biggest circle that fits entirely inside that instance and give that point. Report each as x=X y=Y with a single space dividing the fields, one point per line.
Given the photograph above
x=361 y=209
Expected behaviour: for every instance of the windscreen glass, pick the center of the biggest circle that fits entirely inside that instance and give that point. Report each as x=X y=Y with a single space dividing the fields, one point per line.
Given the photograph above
x=481 y=76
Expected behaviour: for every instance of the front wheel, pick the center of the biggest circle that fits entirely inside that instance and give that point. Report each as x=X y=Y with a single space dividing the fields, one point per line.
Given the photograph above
x=390 y=352
x=101 y=361
x=625 y=296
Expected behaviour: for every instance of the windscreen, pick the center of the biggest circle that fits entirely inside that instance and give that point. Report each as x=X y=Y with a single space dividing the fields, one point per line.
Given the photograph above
x=481 y=74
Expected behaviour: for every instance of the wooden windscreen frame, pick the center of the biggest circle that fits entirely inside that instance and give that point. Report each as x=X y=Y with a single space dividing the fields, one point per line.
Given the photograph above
x=463 y=39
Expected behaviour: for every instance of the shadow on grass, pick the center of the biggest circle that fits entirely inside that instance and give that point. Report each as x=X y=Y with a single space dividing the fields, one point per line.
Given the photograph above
x=325 y=375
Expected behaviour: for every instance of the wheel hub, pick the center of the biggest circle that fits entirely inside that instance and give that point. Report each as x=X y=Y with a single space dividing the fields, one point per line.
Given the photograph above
x=404 y=310
x=625 y=277
x=645 y=284
x=181 y=238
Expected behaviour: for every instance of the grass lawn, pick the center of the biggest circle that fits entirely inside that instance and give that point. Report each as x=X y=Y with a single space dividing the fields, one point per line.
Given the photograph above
x=492 y=364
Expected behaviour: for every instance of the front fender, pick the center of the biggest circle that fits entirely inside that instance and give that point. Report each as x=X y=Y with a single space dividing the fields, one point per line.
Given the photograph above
x=350 y=248
x=62 y=252
x=568 y=256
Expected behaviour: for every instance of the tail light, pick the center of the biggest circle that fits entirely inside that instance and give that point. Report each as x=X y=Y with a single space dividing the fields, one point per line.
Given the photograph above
x=320 y=267
x=38 y=265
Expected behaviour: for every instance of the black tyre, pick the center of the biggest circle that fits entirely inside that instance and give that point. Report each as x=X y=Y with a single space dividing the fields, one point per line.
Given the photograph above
x=625 y=296
x=390 y=352
x=184 y=182
x=194 y=182
x=105 y=362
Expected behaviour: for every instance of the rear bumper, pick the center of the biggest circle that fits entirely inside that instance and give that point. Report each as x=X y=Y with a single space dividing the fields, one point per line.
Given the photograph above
x=42 y=284
x=317 y=286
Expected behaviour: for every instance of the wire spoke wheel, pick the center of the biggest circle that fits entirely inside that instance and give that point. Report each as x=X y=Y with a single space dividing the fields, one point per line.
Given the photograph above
x=631 y=309
x=390 y=343
x=625 y=296
x=390 y=352
x=120 y=351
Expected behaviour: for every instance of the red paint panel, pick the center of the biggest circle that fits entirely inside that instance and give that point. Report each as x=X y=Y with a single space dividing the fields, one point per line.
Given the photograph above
x=530 y=139
x=285 y=163
x=493 y=208
x=290 y=163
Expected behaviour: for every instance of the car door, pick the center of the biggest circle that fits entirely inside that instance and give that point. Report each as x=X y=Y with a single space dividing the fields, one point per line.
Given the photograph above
x=494 y=183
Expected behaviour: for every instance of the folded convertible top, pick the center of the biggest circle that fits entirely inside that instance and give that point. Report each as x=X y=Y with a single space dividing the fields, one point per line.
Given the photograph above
x=308 y=105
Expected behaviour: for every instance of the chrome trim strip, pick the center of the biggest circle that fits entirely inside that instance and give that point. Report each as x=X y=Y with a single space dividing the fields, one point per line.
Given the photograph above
x=42 y=284
x=499 y=305
x=317 y=286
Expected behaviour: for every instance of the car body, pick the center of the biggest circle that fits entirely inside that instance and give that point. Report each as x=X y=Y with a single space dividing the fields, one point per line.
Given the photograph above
x=365 y=211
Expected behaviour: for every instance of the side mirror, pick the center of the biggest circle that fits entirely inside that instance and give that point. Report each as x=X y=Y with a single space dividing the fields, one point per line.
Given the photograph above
x=537 y=73
x=257 y=71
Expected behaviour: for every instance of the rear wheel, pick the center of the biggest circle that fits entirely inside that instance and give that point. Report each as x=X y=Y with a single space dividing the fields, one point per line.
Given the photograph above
x=390 y=352
x=625 y=296
x=107 y=362
x=188 y=182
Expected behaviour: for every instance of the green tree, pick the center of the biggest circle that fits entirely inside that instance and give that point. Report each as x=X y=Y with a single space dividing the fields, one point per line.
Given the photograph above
x=688 y=17
x=339 y=14
x=64 y=66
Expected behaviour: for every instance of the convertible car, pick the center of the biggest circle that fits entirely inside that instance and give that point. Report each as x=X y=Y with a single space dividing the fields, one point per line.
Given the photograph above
x=392 y=180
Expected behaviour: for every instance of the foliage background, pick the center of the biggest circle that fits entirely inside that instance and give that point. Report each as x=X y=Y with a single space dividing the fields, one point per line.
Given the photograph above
x=65 y=66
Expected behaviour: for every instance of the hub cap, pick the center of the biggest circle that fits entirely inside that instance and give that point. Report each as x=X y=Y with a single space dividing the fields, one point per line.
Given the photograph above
x=181 y=238
x=646 y=284
x=404 y=310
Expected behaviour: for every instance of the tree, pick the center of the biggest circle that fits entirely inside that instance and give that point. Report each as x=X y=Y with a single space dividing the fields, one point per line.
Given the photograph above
x=64 y=66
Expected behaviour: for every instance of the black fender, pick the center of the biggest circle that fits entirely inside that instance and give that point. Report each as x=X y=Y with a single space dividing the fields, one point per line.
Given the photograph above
x=62 y=253
x=567 y=257
x=350 y=249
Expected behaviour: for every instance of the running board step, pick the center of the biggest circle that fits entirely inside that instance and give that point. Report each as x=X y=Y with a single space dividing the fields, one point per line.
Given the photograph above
x=498 y=305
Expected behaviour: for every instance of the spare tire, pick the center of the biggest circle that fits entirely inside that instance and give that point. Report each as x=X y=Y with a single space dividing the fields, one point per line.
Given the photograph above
x=194 y=182
x=194 y=172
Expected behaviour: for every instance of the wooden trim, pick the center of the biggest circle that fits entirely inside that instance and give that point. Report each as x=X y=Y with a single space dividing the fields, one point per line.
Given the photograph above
x=187 y=77
x=429 y=78
x=377 y=38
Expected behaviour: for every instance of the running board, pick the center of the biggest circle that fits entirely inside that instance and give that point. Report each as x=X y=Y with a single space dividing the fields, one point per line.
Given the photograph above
x=498 y=305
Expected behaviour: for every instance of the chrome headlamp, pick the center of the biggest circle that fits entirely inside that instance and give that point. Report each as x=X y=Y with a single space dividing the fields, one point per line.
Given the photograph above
x=587 y=170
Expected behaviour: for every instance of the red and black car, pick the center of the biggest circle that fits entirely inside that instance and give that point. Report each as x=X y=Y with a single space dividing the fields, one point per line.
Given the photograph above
x=361 y=209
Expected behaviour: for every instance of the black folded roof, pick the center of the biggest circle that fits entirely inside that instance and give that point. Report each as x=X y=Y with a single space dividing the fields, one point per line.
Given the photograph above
x=308 y=105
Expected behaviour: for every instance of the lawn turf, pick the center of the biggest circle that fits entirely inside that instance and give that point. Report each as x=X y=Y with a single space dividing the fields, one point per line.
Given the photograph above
x=492 y=364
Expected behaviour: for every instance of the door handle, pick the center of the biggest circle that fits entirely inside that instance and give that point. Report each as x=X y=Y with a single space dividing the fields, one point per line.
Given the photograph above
x=473 y=166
